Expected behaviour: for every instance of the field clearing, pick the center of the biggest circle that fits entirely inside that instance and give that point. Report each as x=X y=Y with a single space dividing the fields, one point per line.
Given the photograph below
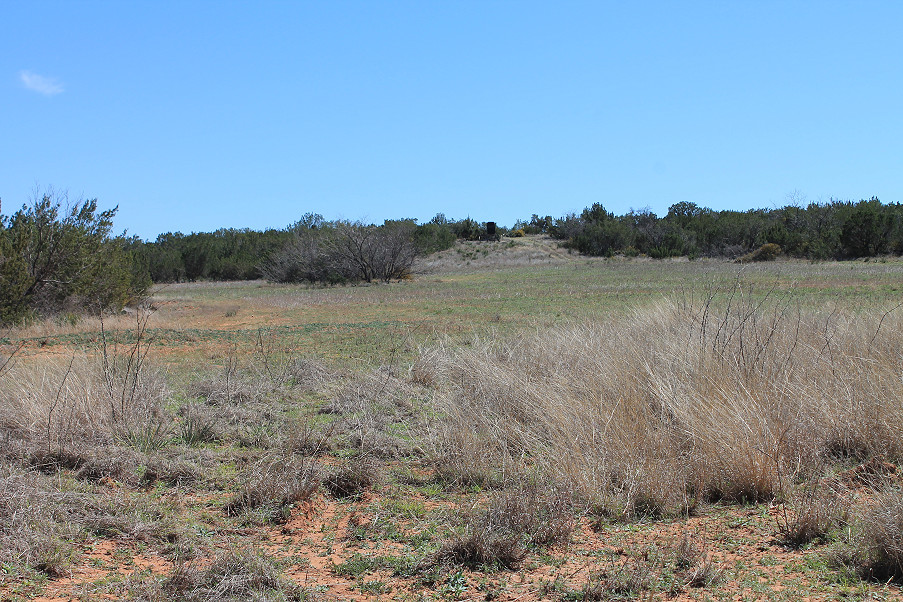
x=354 y=323
x=427 y=439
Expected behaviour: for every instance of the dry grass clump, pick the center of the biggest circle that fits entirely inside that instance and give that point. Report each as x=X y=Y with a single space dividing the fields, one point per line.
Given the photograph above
x=730 y=397
x=502 y=533
x=307 y=374
x=199 y=424
x=32 y=532
x=376 y=410
x=271 y=486
x=628 y=580
x=84 y=400
x=694 y=564
x=654 y=570
x=100 y=418
x=874 y=546
x=43 y=518
x=175 y=472
x=108 y=464
x=542 y=517
x=88 y=463
x=813 y=511
x=303 y=438
x=354 y=477
x=876 y=473
x=229 y=387
x=235 y=575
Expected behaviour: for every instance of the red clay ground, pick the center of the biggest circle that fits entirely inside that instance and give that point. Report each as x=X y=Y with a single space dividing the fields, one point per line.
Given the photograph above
x=335 y=546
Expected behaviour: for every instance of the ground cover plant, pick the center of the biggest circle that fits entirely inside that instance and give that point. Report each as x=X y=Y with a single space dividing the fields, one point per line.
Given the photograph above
x=521 y=424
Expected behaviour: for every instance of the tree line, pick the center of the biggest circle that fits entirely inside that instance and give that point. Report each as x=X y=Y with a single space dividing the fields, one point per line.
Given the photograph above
x=817 y=231
x=312 y=249
x=57 y=257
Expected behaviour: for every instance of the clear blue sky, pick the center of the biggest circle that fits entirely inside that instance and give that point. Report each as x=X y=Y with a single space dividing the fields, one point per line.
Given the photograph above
x=197 y=115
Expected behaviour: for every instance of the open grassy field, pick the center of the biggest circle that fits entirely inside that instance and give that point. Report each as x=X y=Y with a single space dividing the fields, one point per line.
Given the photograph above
x=512 y=423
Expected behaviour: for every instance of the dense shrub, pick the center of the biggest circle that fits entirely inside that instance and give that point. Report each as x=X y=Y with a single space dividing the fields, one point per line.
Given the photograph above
x=55 y=258
x=837 y=229
x=226 y=254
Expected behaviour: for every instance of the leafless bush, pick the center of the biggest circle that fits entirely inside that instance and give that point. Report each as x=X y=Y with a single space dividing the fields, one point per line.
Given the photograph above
x=374 y=253
x=223 y=389
x=302 y=259
x=345 y=251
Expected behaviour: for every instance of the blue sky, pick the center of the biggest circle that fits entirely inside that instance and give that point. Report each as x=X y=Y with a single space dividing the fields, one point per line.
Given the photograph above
x=191 y=116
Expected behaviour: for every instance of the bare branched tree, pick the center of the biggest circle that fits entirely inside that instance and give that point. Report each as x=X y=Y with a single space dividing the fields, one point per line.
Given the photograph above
x=345 y=251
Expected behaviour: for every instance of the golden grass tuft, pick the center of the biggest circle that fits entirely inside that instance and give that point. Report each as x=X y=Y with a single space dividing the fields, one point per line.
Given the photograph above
x=732 y=397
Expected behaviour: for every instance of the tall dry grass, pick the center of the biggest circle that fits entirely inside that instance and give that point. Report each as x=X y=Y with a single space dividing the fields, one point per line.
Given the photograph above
x=729 y=396
x=66 y=402
x=109 y=396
